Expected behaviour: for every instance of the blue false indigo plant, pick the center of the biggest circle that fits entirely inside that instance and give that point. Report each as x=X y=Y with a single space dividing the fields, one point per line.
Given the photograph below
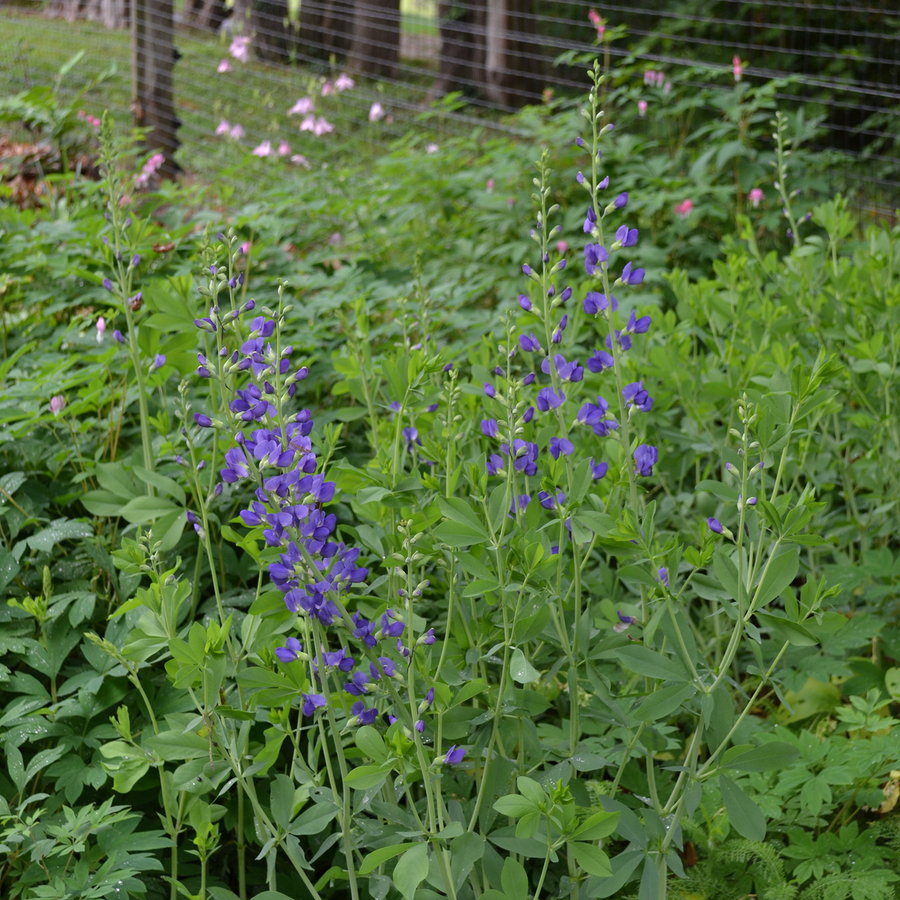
x=474 y=663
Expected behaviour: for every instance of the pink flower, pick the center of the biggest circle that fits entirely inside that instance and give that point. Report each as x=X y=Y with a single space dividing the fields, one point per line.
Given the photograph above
x=649 y=77
x=326 y=88
x=224 y=66
x=667 y=89
x=334 y=239
x=431 y=147
x=299 y=160
x=322 y=126
x=303 y=107
x=94 y=121
x=308 y=124
x=224 y=127
x=284 y=149
x=57 y=404
x=264 y=149
x=737 y=68
x=343 y=82
x=597 y=22
x=101 y=328
x=376 y=112
x=561 y=247
x=642 y=108
x=756 y=196
x=237 y=132
x=245 y=247
x=149 y=170
x=240 y=48
x=489 y=187
x=684 y=209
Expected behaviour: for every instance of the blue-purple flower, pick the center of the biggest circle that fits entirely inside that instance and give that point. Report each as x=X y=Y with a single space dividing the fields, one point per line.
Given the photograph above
x=594 y=256
x=598 y=470
x=631 y=277
x=548 y=399
x=529 y=343
x=312 y=702
x=636 y=396
x=599 y=361
x=624 y=622
x=489 y=428
x=645 y=458
x=561 y=446
x=595 y=302
x=291 y=652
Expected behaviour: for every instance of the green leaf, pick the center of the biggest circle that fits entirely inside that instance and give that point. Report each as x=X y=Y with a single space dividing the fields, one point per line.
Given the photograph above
x=374 y=859
x=469 y=690
x=521 y=670
x=726 y=572
x=410 y=872
x=459 y=511
x=663 y=702
x=371 y=743
x=651 y=664
x=362 y=778
x=786 y=630
x=717 y=488
x=142 y=510
x=598 y=826
x=515 y=806
x=164 y=485
x=743 y=813
x=314 y=819
x=455 y=534
x=514 y=879
x=779 y=573
x=591 y=858
x=281 y=799
x=57 y=531
x=773 y=755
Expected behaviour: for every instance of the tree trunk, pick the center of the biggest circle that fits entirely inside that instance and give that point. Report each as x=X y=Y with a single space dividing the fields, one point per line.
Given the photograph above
x=205 y=14
x=326 y=28
x=462 y=48
x=514 y=64
x=153 y=59
x=274 y=35
x=376 y=38
x=115 y=13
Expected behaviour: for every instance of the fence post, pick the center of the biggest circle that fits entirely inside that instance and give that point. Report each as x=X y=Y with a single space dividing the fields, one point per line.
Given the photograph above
x=152 y=62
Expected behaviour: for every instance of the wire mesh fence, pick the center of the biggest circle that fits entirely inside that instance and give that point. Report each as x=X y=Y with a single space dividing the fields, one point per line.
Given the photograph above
x=841 y=57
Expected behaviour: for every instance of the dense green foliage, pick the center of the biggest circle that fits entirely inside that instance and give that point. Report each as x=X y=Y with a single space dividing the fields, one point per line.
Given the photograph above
x=722 y=730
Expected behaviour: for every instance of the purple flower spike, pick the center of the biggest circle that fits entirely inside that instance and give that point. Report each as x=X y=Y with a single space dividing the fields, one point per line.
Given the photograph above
x=590 y=220
x=596 y=303
x=529 y=343
x=159 y=361
x=454 y=756
x=715 y=525
x=604 y=184
x=632 y=277
x=489 y=428
x=637 y=325
x=663 y=576
x=526 y=269
x=561 y=446
x=291 y=652
x=362 y=715
x=624 y=622
x=107 y=284
x=645 y=458
x=548 y=399
x=594 y=255
x=358 y=685
x=312 y=702
x=599 y=361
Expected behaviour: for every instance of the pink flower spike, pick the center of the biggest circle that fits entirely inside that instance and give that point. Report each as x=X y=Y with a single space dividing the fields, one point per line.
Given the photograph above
x=684 y=209
x=237 y=132
x=264 y=149
x=303 y=107
x=57 y=404
x=224 y=66
x=240 y=48
x=737 y=68
x=326 y=88
x=224 y=127
x=376 y=112
x=642 y=108
x=489 y=187
x=756 y=197
x=343 y=82
x=322 y=126
x=101 y=328
x=284 y=149
x=299 y=160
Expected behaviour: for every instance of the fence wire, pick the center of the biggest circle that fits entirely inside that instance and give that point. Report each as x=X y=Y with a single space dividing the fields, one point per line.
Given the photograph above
x=844 y=57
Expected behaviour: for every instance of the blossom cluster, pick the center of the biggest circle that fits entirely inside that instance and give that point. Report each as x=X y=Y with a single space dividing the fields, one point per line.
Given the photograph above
x=272 y=456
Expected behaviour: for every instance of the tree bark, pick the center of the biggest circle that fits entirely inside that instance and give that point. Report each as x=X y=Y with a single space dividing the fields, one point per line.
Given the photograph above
x=514 y=64
x=153 y=59
x=326 y=28
x=274 y=35
x=205 y=14
x=462 y=48
x=376 y=38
